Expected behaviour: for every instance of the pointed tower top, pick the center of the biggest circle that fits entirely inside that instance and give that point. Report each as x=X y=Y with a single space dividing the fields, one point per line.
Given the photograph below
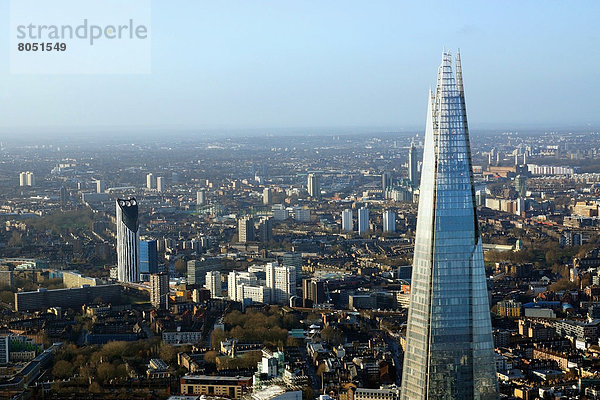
x=459 y=79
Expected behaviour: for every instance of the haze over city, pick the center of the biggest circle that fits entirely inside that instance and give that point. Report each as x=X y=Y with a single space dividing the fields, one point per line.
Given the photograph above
x=299 y=200
x=242 y=67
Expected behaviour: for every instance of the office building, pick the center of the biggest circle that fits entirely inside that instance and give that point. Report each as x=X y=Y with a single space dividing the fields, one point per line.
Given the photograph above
x=246 y=229
x=413 y=172
x=200 y=197
x=267 y=197
x=389 y=221
x=160 y=182
x=148 y=258
x=150 y=181
x=449 y=345
x=197 y=269
x=363 y=220
x=347 y=220
x=314 y=186
x=128 y=249
x=213 y=283
x=159 y=290
x=386 y=181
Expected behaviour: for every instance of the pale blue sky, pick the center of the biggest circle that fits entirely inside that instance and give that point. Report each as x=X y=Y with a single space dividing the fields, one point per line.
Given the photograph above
x=324 y=63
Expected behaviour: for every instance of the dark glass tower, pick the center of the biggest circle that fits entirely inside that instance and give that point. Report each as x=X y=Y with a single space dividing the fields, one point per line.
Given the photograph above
x=449 y=346
x=148 y=257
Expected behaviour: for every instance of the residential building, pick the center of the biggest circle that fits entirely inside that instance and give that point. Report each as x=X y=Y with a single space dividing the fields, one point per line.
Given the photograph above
x=159 y=290
x=128 y=250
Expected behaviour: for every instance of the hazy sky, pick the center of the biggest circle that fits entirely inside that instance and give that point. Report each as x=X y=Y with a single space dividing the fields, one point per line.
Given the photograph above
x=324 y=63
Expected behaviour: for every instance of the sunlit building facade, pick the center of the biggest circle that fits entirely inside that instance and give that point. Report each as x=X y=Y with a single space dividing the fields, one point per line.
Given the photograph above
x=128 y=240
x=449 y=346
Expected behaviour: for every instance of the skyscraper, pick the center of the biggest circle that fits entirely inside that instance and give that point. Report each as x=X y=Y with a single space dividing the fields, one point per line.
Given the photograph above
x=149 y=181
x=159 y=290
x=449 y=346
x=160 y=183
x=363 y=220
x=347 y=223
x=128 y=247
x=389 y=221
x=386 y=182
x=148 y=258
x=413 y=173
x=314 y=185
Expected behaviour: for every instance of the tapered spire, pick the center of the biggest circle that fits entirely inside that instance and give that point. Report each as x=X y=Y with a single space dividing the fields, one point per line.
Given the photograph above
x=449 y=347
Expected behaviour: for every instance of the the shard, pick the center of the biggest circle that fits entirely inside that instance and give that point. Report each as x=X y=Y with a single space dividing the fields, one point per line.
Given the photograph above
x=449 y=350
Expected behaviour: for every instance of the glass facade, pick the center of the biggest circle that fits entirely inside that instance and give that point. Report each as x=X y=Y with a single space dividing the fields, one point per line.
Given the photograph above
x=148 y=257
x=449 y=346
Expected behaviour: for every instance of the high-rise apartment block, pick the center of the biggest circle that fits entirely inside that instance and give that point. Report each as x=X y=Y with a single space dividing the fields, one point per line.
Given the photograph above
x=389 y=221
x=363 y=220
x=413 y=172
x=26 y=179
x=314 y=185
x=347 y=220
x=386 y=181
x=200 y=197
x=159 y=290
x=150 y=181
x=246 y=229
x=267 y=197
x=213 y=283
x=128 y=248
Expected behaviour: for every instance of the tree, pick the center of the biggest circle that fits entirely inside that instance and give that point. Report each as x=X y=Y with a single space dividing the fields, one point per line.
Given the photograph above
x=216 y=337
x=105 y=372
x=333 y=335
x=167 y=352
x=210 y=357
x=62 y=369
x=181 y=267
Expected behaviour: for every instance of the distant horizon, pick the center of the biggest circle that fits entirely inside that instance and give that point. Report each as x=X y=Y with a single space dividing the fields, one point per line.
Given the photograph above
x=337 y=65
x=99 y=133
